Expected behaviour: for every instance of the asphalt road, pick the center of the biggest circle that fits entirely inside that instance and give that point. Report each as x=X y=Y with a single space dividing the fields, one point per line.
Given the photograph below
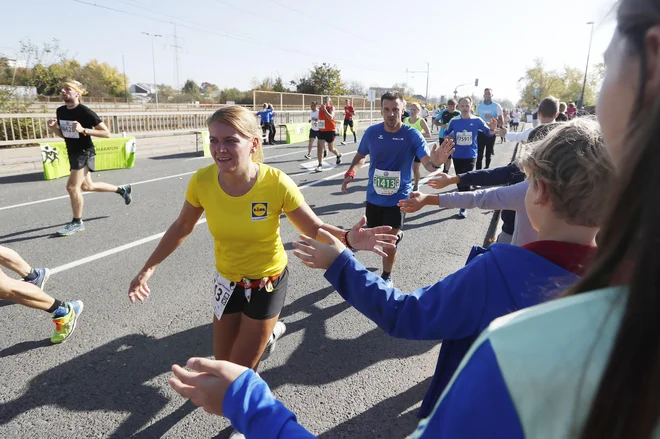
x=335 y=369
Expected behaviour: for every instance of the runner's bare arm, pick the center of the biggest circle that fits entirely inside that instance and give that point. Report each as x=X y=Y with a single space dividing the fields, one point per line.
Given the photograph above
x=330 y=114
x=425 y=128
x=100 y=130
x=54 y=128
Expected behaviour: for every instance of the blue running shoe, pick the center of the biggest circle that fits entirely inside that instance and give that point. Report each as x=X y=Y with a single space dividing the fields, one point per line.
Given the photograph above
x=127 y=193
x=71 y=228
x=42 y=277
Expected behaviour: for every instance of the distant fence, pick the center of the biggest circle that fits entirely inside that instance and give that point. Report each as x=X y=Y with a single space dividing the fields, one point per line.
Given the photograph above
x=301 y=101
x=31 y=128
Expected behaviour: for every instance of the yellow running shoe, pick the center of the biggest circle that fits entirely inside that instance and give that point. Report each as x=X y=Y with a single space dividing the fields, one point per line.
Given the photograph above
x=64 y=326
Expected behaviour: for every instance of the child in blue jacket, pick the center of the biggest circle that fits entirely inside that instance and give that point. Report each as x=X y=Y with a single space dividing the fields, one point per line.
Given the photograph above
x=564 y=202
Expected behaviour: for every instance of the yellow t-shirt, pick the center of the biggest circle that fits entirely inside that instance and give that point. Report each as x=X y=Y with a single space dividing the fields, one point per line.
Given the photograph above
x=246 y=229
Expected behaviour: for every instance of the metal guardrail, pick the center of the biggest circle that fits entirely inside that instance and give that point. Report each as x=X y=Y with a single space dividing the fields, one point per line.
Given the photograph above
x=31 y=128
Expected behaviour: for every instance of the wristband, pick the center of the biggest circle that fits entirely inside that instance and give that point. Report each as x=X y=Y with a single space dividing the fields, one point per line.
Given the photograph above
x=350 y=173
x=345 y=240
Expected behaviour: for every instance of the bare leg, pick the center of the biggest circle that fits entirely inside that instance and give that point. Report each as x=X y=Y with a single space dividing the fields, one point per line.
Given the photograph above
x=89 y=186
x=24 y=293
x=13 y=261
x=416 y=174
x=388 y=262
x=320 y=147
x=253 y=336
x=331 y=147
x=225 y=332
x=73 y=187
x=309 y=147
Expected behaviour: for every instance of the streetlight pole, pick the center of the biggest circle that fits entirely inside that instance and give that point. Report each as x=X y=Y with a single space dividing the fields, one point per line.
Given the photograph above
x=153 y=57
x=426 y=99
x=586 y=69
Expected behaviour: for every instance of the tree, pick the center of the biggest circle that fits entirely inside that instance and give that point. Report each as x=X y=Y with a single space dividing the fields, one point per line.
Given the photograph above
x=403 y=88
x=278 y=85
x=322 y=79
x=355 y=88
x=192 y=90
x=565 y=85
x=210 y=91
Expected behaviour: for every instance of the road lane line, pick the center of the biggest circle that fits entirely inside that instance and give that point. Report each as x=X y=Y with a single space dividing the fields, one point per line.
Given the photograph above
x=139 y=242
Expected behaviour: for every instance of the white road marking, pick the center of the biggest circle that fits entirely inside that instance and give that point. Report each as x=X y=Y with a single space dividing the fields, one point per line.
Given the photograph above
x=139 y=242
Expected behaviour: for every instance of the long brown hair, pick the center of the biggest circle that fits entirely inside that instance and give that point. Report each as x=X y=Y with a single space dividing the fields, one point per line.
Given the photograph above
x=627 y=401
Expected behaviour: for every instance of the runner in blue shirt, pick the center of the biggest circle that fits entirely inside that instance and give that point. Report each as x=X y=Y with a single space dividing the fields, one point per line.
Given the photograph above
x=485 y=110
x=392 y=148
x=466 y=130
x=266 y=116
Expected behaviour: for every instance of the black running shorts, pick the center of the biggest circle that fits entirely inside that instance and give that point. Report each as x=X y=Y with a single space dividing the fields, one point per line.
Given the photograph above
x=262 y=305
x=80 y=159
x=384 y=216
x=328 y=136
x=313 y=134
x=348 y=122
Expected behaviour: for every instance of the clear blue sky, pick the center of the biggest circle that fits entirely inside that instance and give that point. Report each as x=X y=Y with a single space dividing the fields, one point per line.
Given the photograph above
x=231 y=42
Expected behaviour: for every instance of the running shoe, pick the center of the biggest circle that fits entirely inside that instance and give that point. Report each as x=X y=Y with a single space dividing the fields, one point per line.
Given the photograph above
x=356 y=140
x=308 y=156
x=278 y=332
x=338 y=161
x=42 y=277
x=64 y=326
x=415 y=188
x=236 y=435
x=71 y=228
x=325 y=153
x=127 y=193
x=462 y=213
x=389 y=283
x=399 y=237
x=319 y=168
x=343 y=143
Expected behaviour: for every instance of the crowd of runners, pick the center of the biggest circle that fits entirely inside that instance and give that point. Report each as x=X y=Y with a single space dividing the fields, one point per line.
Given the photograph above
x=544 y=333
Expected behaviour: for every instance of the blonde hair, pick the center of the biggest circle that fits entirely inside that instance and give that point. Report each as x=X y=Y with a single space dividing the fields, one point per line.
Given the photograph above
x=562 y=107
x=575 y=166
x=242 y=120
x=76 y=85
x=416 y=105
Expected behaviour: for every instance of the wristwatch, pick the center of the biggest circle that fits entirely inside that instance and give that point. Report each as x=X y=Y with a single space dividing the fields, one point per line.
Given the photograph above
x=87 y=131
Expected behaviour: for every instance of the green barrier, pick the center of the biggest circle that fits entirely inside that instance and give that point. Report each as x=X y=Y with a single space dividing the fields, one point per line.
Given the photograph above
x=112 y=153
x=299 y=132
x=206 y=143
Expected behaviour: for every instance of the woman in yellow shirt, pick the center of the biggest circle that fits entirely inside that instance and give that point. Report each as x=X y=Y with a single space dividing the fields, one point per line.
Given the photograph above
x=243 y=200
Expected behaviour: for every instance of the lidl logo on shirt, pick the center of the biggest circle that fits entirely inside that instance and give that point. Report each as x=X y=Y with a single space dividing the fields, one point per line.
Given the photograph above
x=259 y=211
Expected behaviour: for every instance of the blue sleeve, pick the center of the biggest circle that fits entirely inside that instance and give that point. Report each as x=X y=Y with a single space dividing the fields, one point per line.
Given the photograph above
x=476 y=403
x=449 y=309
x=364 y=143
x=483 y=127
x=439 y=116
x=254 y=411
x=450 y=129
x=508 y=174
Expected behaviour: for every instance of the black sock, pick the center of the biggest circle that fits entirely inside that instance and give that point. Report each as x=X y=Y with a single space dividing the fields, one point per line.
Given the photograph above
x=344 y=137
x=53 y=308
x=354 y=137
x=121 y=190
x=386 y=275
x=32 y=275
x=76 y=220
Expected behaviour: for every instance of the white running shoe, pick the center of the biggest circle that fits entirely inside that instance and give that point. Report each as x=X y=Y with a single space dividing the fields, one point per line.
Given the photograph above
x=278 y=332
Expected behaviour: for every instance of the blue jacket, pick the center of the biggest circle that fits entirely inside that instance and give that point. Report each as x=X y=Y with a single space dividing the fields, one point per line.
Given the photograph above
x=504 y=175
x=495 y=282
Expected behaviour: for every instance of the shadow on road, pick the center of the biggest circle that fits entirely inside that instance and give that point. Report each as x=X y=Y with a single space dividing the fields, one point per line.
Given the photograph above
x=52 y=234
x=25 y=346
x=181 y=155
x=22 y=178
x=115 y=376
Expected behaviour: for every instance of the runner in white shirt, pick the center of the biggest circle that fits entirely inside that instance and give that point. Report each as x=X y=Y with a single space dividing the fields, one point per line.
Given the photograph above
x=515 y=119
x=434 y=115
x=314 y=130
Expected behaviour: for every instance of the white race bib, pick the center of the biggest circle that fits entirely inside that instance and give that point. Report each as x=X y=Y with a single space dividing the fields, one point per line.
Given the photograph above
x=464 y=138
x=222 y=291
x=386 y=182
x=66 y=126
x=321 y=124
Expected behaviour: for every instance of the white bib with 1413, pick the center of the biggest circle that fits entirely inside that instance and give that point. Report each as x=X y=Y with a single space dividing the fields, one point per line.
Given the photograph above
x=222 y=291
x=386 y=183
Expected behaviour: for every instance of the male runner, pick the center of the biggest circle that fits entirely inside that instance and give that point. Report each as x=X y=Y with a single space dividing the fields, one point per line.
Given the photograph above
x=76 y=124
x=327 y=132
x=441 y=121
x=434 y=115
x=349 y=112
x=392 y=148
x=29 y=292
x=487 y=110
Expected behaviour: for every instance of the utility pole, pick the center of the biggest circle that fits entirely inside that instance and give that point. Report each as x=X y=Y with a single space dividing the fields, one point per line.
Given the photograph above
x=586 y=69
x=426 y=98
x=153 y=57
x=123 y=66
x=176 y=48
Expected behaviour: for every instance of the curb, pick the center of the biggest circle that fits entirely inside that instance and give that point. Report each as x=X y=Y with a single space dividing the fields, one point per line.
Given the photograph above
x=494 y=225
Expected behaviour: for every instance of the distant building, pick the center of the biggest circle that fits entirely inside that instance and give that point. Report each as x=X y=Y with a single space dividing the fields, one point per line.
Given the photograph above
x=20 y=92
x=142 y=89
x=16 y=63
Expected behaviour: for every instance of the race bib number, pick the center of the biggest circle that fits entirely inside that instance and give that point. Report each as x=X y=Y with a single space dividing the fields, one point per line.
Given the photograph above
x=222 y=291
x=315 y=125
x=66 y=126
x=321 y=124
x=464 y=138
x=386 y=182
